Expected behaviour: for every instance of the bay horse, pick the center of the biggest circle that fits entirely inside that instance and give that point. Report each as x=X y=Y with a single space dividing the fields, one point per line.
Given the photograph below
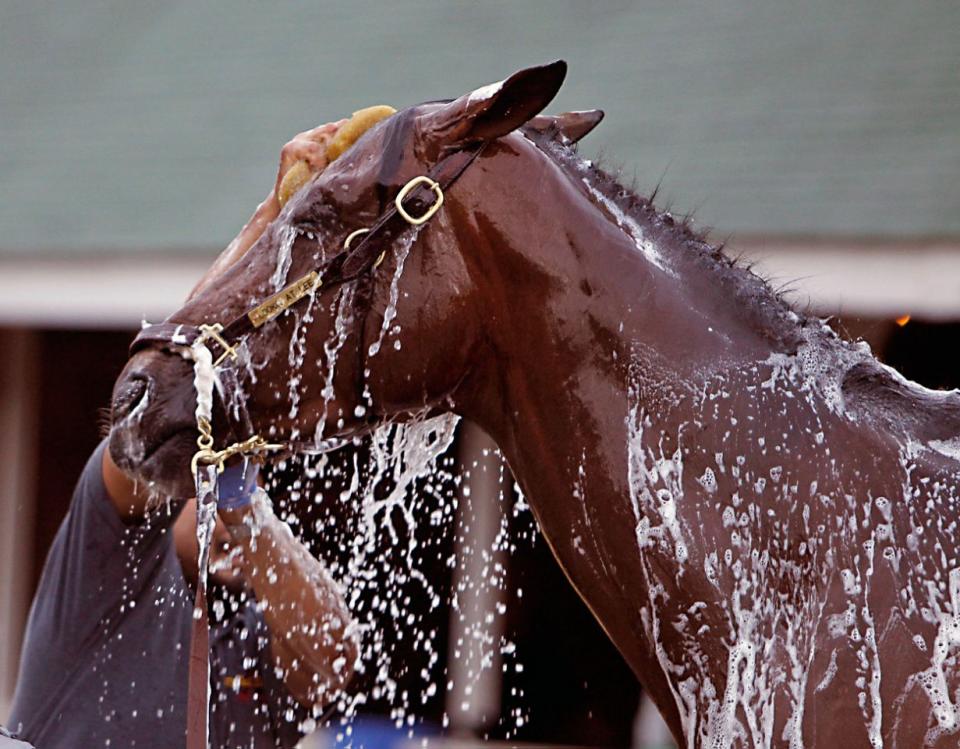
x=762 y=516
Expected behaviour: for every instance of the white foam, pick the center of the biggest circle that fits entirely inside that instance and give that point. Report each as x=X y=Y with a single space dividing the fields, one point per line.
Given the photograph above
x=708 y=480
x=631 y=227
x=934 y=680
x=655 y=482
x=950 y=448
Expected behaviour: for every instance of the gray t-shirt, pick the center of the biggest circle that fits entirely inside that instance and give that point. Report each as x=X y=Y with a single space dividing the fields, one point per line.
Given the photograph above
x=104 y=660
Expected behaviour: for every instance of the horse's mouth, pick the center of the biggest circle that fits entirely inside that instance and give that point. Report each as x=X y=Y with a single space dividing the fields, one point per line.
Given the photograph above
x=163 y=464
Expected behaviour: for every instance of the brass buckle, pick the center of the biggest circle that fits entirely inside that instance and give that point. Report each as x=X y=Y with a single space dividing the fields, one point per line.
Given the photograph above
x=212 y=332
x=412 y=185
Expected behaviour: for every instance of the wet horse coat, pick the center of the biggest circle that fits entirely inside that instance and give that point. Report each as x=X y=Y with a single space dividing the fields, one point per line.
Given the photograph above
x=760 y=515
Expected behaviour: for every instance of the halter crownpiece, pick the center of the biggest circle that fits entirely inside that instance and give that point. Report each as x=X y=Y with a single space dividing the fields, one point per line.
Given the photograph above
x=415 y=204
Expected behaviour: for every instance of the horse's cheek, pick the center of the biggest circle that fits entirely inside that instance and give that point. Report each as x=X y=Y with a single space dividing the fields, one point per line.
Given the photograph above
x=454 y=331
x=428 y=358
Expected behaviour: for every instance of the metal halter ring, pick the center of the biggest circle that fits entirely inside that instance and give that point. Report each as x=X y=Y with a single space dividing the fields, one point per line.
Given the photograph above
x=352 y=236
x=207 y=456
x=412 y=185
x=357 y=233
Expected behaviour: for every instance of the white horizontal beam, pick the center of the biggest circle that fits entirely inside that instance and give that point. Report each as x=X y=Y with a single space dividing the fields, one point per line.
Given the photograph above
x=870 y=278
x=862 y=277
x=92 y=292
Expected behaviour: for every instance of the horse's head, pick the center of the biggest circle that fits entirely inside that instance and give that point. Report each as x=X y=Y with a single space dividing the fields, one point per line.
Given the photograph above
x=396 y=339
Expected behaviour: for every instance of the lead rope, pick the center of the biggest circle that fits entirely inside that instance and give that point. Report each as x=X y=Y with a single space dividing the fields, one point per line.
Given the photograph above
x=207 y=465
x=198 y=684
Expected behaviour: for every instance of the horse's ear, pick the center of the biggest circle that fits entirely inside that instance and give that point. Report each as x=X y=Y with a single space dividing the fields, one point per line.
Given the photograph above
x=570 y=126
x=495 y=110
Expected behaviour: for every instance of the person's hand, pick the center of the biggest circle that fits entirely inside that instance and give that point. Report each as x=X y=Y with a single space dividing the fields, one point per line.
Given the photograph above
x=306 y=155
x=226 y=556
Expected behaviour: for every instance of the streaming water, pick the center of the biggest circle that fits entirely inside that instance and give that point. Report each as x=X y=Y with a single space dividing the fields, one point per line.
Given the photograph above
x=390 y=312
x=284 y=257
x=382 y=512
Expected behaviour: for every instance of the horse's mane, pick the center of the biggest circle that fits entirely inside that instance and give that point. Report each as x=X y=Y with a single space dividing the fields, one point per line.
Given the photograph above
x=768 y=311
x=900 y=404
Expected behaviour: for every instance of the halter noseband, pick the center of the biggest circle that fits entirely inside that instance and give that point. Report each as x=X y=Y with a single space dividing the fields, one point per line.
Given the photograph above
x=414 y=205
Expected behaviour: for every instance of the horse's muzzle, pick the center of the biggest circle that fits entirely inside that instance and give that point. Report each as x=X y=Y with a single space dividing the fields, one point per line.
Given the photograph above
x=153 y=426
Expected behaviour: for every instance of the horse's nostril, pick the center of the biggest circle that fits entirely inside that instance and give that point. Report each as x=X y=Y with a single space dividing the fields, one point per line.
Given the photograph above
x=131 y=394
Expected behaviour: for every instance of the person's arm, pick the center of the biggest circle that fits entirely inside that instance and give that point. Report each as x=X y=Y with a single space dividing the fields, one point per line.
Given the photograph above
x=313 y=639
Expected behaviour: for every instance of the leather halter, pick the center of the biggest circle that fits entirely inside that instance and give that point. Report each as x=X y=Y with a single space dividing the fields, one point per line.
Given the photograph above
x=415 y=204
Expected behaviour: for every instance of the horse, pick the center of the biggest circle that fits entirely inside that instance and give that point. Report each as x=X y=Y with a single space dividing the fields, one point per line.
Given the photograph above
x=761 y=516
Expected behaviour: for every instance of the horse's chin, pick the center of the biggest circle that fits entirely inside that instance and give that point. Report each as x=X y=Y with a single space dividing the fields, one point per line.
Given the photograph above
x=162 y=468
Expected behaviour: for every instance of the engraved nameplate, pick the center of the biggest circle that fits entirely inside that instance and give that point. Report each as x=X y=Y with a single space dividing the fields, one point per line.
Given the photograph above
x=282 y=299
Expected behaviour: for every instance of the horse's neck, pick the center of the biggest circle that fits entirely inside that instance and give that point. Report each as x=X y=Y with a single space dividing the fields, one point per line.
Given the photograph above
x=700 y=487
x=629 y=403
x=615 y=311
x=598 y=371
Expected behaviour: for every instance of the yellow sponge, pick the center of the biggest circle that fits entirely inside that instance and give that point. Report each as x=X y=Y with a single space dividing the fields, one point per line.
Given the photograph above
x=352 y=129
x=296 y=177
x=299 y=174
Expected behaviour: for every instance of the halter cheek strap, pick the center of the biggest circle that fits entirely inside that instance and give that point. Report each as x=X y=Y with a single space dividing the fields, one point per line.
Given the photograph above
x=417 y=202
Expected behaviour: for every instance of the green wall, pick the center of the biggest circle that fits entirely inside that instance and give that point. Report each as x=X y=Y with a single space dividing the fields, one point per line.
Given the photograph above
x=130 y=125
